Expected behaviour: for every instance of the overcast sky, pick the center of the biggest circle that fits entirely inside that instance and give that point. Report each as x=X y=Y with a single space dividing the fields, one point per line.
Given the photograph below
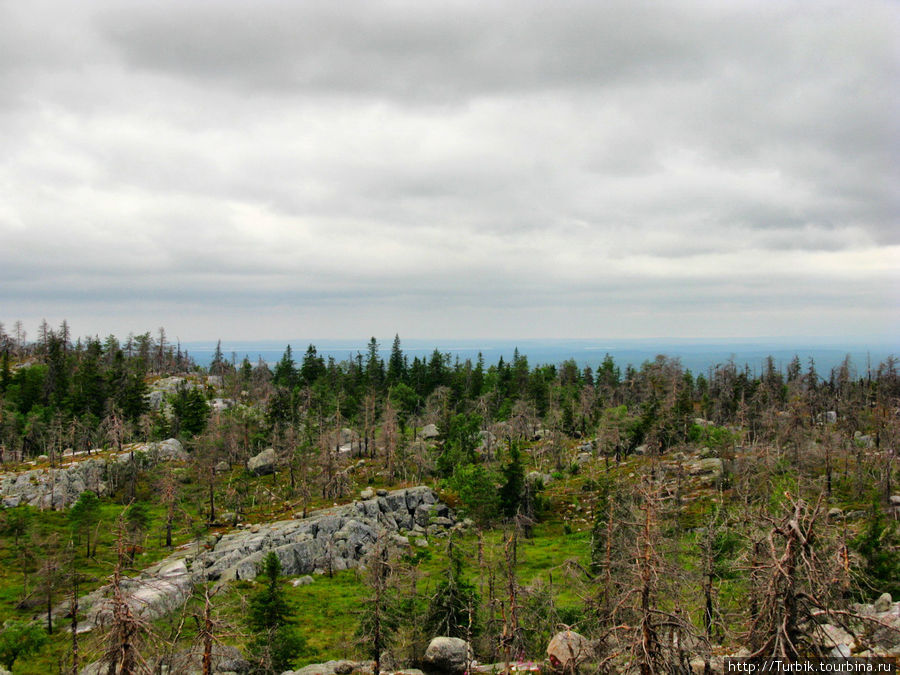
x=451 y=169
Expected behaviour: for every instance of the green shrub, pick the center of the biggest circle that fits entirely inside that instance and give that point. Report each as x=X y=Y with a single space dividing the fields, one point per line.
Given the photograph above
x=20 y=638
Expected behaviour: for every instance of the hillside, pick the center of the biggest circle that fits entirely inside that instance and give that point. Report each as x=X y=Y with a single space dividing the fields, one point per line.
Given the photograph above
x=664 y=515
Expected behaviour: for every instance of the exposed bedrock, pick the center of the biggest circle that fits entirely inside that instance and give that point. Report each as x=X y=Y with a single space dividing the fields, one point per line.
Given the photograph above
x=328 y=540
x=60 y=487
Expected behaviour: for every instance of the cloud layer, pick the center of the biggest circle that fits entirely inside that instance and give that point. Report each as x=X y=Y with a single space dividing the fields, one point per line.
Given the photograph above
x=522 y=169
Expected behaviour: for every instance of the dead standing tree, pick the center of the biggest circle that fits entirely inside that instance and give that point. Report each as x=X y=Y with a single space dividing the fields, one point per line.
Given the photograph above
x=512 y=639
x=794 y=583
x=125 y=628
x=380 y=616
x=652 y=638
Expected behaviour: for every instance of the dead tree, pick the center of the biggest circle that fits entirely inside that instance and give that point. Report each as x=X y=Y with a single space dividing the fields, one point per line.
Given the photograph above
x=126 y=630
x=389 y=438
x=793 y=583
x=207 y=629
x=652 y=638
x=512 y=641
x=380 y=616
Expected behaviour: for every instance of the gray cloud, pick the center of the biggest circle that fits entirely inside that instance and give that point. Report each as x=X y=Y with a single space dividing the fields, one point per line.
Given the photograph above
x=497 y=169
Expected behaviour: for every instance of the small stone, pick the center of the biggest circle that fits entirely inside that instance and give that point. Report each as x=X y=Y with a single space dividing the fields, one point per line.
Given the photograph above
x=422 y=543
x=344 y=667
x=840 y=652
x=368 y=493
x=302 y=581
x=381 y=493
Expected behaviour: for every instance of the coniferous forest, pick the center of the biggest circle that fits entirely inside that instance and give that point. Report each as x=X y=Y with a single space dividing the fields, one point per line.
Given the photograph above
x=158 y=516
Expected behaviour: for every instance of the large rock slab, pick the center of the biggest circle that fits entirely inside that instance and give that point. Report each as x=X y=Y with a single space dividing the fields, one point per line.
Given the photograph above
x=153 y=594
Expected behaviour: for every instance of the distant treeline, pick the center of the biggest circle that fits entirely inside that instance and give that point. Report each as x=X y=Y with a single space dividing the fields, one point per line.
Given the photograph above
x=56 y=392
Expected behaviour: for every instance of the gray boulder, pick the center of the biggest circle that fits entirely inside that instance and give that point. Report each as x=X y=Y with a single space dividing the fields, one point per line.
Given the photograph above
x=262 y=464
x=883 y=603
x=709 y=466
x=169 y=450
x=448 y=655
x=536 y=477
x=567 y=650
x=429 y=431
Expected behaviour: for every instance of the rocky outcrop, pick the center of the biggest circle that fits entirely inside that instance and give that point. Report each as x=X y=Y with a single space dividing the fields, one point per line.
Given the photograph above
x=158 y=591
x=710 y=466
x=53 y=488
x=333 y=539
x=329 y=540
x=866 y=631
x=153 y=453
x=341 y=667
x=225 y=659
x=163 y=388
x=448 y=655
x=60 y=487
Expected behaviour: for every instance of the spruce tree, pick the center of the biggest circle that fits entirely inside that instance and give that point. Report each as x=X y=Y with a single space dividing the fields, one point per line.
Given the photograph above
x=84 y=515
x=276 y=643
x=452 y=610
x=514 y=485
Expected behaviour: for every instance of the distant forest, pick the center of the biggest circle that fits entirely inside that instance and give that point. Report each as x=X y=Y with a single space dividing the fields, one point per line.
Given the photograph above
x=56 y=391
